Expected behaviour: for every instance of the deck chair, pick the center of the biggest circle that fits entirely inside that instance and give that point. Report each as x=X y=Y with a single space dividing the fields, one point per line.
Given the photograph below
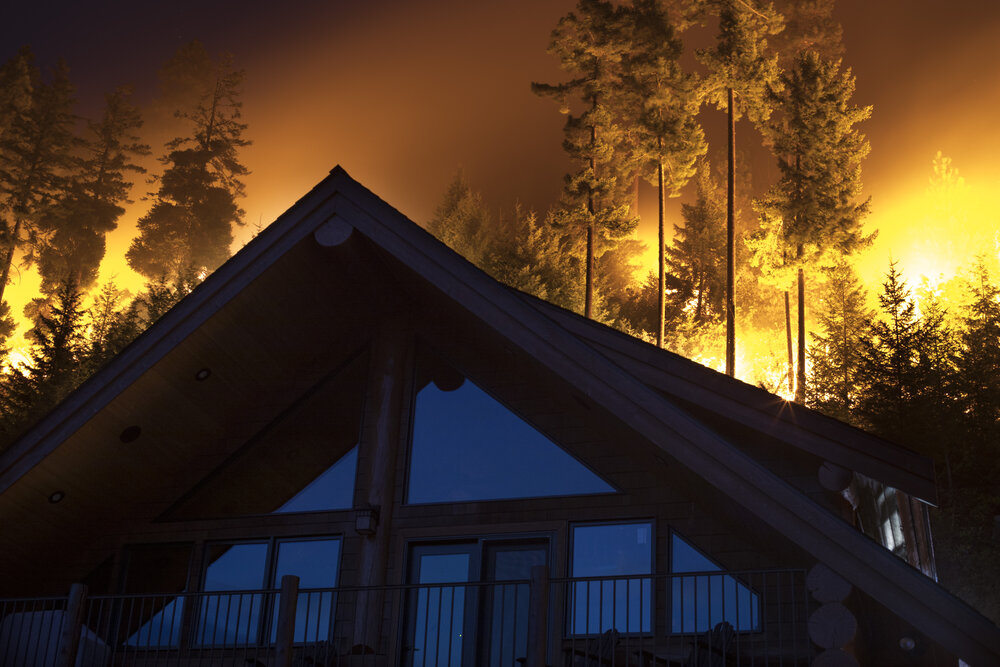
x=599 y=651
x=716 y=648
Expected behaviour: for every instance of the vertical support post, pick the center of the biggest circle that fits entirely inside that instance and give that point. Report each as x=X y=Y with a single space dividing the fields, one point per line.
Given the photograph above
x=538 y=616
x=285 y=636
x=69 y=636
x=379 y=446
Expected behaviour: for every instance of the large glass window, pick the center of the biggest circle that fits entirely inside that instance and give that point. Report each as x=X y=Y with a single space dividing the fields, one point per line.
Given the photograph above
x=609 y=551
x=231 y=609
x=467 y=446
x=701 y=601
x=234 y=616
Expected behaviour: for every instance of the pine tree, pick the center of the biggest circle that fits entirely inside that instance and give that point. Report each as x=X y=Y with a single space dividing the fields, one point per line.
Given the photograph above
x=905 y=363
x=461 y=221
x=695 y=257
x=741 y=80
x=843 y=319
x=188 y=231
x=15 y=89
x=529 y=254
x=809 y=26
x=664 y=101
x=589 y=45
x=35 y=155
x=819 y=153
x=55 y=368
x=72 y=231
x=977 y=364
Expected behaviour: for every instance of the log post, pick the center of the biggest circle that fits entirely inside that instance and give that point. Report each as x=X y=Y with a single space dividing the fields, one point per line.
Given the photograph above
x=538 y=616
x=69 y=636
x=285 y=633
x=379 y=458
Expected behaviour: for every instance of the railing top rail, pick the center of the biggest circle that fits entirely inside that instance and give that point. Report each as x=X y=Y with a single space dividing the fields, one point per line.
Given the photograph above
x=737 y=574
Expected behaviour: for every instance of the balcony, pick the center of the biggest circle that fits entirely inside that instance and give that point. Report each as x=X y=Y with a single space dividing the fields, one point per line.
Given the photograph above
x=693 y=619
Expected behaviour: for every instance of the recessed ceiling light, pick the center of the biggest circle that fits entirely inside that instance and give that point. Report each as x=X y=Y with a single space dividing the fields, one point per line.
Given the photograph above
x=130 y=434
x=56 y=496
x=202 y=374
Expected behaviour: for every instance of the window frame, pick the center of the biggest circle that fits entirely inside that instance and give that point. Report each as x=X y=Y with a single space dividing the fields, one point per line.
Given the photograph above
x=756 y=598
x=651 y=599
x=425 y=351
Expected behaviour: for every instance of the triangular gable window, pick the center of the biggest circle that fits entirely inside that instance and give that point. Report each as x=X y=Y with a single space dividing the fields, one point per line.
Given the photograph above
x=702 y=601
x=467 y=446
x=303 y=461
x=332 y=490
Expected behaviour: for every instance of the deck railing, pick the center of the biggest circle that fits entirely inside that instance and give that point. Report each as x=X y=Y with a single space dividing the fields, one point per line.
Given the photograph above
x=692 y=619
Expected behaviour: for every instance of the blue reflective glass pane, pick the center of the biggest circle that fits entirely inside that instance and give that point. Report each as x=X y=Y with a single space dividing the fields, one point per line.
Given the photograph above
x=699 y=603
x=509 y=618
x=440 y=611
x=612 y=603
x=162 y=629
x=316 y=563
x=232 y=619
x=332 y=490
x=467 y=446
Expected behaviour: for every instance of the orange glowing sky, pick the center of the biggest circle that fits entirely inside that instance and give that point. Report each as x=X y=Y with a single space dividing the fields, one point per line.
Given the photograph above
x=403 y=93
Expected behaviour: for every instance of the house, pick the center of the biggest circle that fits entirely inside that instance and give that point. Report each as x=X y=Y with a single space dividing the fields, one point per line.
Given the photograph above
x=350 y=446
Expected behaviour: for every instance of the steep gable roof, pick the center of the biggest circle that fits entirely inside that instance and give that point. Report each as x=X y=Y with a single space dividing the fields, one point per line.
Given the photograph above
x=339 y=207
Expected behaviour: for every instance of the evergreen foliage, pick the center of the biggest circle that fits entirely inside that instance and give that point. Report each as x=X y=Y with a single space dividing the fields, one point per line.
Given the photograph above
x=814 y=208
x=56 y=365
x=188 y=230
x=743 y=76
x=905 y=363
x=843 y=318
x=661 y=106
x=590 y=44
x=695 y=258
x=73 y=229
x=35 y=157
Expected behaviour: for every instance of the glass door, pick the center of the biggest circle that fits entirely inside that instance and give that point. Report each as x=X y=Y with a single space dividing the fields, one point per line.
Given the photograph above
x=505 y=619
x=438 y=614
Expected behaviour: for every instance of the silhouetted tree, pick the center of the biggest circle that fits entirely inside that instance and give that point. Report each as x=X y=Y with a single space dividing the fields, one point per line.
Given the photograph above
x=35 y=155
x=56 y=366
x=696 y=257
x=835 y=352
x=903 y=376
x=188 y=230
x=73 y=229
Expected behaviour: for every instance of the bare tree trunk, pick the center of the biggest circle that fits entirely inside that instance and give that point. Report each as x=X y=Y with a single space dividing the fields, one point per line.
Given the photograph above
x=8 y=256
x=588 y=304
x=800 y=385
x=662 y=259
x=731 y=248
x=788 y=336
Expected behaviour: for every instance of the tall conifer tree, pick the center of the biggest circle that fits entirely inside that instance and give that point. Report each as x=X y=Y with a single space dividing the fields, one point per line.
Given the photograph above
x=589 y=44
x=819 y=151
x=188 y=230
x=695 y=258
x=835 y=351
x=662 y=105
x=35 y=156
x=742 y=76
x=73 y=230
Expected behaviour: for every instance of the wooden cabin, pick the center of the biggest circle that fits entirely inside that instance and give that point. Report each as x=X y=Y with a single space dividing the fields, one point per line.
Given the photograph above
x=349 y=446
